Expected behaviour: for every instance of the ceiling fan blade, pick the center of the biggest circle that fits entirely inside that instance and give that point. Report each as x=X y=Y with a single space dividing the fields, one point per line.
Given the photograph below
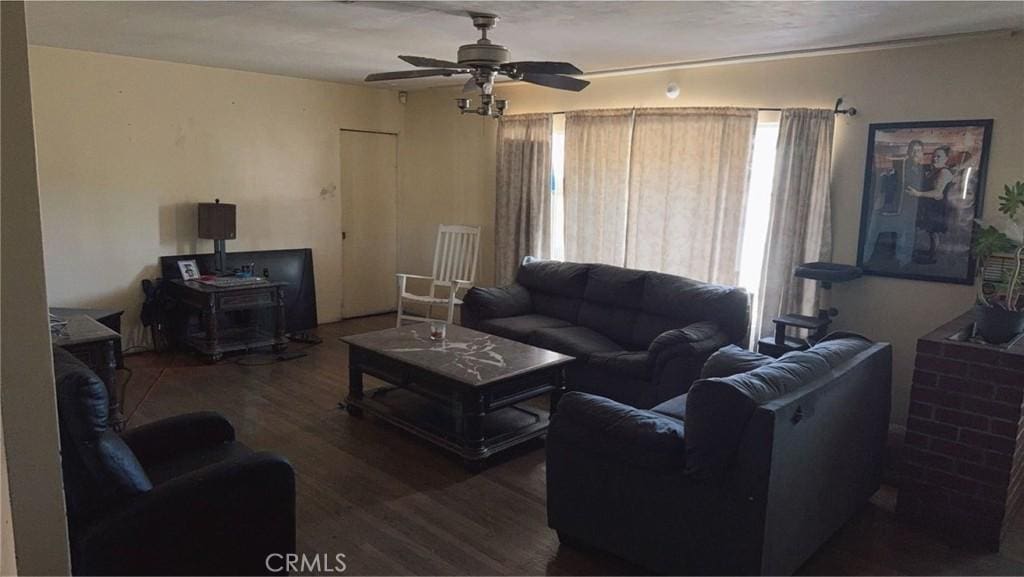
x=470 y=85
x=555 y=81
x=424 y=62
x=411 y=74
x=545 y=67
x=408 y=7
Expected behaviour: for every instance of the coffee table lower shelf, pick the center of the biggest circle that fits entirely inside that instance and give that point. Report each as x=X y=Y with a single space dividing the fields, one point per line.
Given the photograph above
x=432 y=421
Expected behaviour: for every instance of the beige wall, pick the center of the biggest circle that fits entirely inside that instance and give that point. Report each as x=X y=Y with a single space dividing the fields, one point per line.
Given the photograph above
x=127 y=146
x=8 y=563
x=980 y=78
x=31 y=444
x=446 y=176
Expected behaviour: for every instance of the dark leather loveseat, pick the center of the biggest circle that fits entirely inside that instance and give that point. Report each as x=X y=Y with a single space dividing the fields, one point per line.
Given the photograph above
x=175 y=497
x=748 y=473
x=640 y=337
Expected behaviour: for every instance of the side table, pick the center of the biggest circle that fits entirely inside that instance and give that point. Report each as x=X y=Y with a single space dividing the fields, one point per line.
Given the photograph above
x=96 y=346
x=211 y=301
x=110 y=318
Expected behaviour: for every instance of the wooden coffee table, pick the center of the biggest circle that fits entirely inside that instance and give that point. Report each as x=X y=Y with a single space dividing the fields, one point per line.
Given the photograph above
x=463 y=393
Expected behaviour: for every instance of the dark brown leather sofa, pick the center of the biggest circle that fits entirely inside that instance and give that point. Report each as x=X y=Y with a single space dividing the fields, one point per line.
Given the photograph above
x=639 y=337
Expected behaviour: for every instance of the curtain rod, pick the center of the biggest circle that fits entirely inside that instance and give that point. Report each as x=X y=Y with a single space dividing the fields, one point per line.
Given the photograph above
x=851 y=111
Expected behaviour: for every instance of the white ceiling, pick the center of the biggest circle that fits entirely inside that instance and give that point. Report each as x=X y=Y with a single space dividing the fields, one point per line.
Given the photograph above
x=344 y=41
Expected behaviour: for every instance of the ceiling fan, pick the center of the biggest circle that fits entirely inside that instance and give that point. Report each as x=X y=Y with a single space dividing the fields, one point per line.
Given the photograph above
x=484 y=61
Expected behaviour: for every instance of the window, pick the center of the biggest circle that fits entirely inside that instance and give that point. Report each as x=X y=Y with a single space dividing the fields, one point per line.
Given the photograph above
x=758 y=209
x=557 y=178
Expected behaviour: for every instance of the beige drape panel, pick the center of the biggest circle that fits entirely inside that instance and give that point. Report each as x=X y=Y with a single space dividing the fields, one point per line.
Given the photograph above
x=596 y=185
x=800 y=229
x=523 y=191
x=688 y=176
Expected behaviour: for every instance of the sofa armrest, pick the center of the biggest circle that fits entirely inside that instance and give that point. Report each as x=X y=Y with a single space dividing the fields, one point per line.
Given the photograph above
x=221 y=519
x=697 y=338
x=499 y=302
x=676 y=356
x=181 y=433
x=619 y=432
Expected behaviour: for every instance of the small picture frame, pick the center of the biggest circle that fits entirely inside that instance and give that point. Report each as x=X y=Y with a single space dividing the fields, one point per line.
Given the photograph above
x=189 y=269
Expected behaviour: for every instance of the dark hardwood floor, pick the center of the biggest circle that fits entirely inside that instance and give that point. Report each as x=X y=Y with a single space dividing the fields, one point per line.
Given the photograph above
x=396 y=505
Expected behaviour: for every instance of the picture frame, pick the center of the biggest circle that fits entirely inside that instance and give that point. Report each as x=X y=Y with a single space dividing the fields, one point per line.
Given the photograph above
x=924 y=186
x=189 y=269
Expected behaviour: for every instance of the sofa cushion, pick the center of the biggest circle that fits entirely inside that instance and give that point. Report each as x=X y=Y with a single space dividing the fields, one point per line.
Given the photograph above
x=499 y=302
x=557 y=306
x=579 y=342
x=556 y=288
x=731 y=360
x=671 y=302
x=567 y=279
x=613 y=322
x=614 y=285
x=717 y=409
x=627 y=434
x=674 y=408
x=839 y=346
x=633 y=364
x=519 y=328
x=184 y=462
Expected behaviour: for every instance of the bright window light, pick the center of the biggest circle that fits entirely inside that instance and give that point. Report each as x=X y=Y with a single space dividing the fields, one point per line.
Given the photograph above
x=557 y=196
x=756 y=212
x=758 y=209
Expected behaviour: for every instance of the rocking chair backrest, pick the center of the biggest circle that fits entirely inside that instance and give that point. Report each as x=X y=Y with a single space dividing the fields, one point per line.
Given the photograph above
x=456 y=253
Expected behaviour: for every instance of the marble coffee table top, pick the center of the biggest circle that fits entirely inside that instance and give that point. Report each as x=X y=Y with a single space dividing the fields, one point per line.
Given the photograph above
x=465 y=355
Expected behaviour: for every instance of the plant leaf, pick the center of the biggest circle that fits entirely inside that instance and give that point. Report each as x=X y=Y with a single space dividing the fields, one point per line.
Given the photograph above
x=1012 y=199
x=989 y=240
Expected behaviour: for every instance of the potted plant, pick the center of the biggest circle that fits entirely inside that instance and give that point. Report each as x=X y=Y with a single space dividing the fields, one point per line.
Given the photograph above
x=998 y=312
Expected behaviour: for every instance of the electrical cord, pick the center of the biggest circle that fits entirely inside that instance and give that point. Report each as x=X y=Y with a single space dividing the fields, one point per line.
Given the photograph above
x=278 y=358
x=128 y=379
x=156 y=381
x=239 y=361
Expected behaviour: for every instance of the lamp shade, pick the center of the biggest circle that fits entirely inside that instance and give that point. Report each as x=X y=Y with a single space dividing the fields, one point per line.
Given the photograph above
x=216 y=220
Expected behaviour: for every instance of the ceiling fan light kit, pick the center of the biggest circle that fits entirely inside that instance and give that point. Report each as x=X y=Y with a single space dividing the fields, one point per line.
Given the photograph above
x=484 y=60
x=489 y=106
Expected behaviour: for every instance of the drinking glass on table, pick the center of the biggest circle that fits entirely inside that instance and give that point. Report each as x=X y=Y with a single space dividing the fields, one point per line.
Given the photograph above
x=438 y=330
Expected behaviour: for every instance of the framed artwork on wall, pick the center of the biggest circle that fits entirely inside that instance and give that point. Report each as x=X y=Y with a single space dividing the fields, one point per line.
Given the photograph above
x=924 y=183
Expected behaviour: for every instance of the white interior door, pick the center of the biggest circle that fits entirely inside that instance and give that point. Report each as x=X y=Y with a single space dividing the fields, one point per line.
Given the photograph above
x=369 y=189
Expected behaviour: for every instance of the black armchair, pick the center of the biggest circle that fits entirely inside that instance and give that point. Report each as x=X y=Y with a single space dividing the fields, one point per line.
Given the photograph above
x=748 y=473
x=179 y=496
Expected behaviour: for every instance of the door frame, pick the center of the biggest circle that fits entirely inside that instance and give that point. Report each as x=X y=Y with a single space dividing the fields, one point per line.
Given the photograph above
x=397 y=135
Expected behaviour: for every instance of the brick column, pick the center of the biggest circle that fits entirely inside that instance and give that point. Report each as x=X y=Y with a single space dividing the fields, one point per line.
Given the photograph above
x=963 y=467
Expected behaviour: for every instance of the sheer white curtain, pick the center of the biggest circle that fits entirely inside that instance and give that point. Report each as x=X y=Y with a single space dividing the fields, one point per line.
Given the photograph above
x=596 y=184
x=800 y=228
x=688 y=176
x=523 y=191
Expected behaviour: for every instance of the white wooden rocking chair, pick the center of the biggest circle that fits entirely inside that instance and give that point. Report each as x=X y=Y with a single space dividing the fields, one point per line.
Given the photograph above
x=455 y=259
